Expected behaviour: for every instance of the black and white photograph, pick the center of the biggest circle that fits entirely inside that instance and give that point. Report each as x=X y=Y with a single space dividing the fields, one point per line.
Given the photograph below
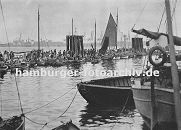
x=90 y=65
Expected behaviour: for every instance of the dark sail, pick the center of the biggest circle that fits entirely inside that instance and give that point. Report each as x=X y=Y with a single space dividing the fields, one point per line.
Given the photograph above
x=104 y=46
x=111 y=34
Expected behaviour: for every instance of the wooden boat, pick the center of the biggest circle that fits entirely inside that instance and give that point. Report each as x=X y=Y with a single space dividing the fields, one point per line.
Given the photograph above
x=40 y=63
x=164 y=104
x=107 y=92
x=3 y=68
x=95 y=60
x=116 y=58
x=158 y=99
x=3 y=71
x=67 y=126
x=164 y=96
x=14 y=123
x=124 y=57
x=107 y=57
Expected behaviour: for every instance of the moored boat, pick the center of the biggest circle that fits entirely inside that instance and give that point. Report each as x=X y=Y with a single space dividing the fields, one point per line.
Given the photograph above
x=163 y=88
x=164 y=103
x=124 y=57
x=158 y=98
x=67 y=126
x=95 y=61
x=107 y=57
x=14 y=123
x=115 y=91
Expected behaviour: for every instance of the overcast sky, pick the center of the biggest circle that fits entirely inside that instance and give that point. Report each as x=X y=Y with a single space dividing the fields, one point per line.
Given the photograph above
x=56 y=15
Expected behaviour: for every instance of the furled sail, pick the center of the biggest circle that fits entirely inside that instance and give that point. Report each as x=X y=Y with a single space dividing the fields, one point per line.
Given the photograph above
x=110 y=35
x=156 y=35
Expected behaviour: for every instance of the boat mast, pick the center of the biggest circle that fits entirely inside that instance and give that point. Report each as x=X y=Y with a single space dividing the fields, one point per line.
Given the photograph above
x=95 y=39
x=117 y=29
x=72 y=31
x=38 y=30
x=174 y=67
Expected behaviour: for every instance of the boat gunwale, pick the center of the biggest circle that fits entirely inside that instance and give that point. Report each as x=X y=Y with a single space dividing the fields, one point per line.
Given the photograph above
x=170 y=90
x=158 y=101
x=21 y=125
x=104 y=86
x=107 y=78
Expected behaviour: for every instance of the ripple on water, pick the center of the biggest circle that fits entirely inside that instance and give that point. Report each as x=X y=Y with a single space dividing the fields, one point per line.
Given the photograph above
x=37 y=91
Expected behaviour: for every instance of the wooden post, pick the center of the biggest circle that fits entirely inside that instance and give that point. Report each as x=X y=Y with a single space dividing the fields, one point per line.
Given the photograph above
x=116 y=37
x=174 y=67
x=23 y=119
x=95 y=39
x=38 y=30
x=153 y=104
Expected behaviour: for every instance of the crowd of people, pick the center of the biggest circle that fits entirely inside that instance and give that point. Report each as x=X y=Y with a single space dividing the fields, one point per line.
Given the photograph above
x=55 y=56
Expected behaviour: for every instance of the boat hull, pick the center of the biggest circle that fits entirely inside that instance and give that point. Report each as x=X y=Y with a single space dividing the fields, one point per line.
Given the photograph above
x=14 y=123
x=104 y=95
x=124 y=57
x=165 y=108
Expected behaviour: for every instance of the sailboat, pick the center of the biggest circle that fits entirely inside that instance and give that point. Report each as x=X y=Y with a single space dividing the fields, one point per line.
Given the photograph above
x=109 y=40
x=158 y=99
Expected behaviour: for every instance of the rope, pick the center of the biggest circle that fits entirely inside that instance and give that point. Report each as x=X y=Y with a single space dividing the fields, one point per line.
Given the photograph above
x=1 y=100
x=4 y=24
x=173 y=16
x=175 y=25
x=173 y=11
x=122 y=110
x=34 y=121
x=62 y=113
x=140 y=13
x=43 y=33
x=161 y=19
x=49 y=102
x=18 y=95
x=174 y=8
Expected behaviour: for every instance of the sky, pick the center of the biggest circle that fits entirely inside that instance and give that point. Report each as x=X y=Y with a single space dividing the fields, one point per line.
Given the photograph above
x=56 y=15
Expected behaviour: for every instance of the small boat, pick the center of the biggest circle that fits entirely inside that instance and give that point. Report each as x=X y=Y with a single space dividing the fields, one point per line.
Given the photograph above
x=95 y=61
x=40 y=63
x=107 y=57
x=67 y=126
x=3 y=71
x=107 y=92
x=116 y=58
x=124 y=57
x=3 y=67
x=14 y=123
x=75 y=61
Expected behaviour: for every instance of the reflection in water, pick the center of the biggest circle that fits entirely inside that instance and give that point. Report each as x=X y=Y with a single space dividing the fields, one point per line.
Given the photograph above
x=108 y=64
x=37 y=91
x=139 y=62
x=94 y=116
x=74 y=66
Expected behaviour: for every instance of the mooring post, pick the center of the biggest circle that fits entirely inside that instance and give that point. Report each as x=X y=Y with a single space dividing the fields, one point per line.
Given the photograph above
x=153 y=104
x=174 y=67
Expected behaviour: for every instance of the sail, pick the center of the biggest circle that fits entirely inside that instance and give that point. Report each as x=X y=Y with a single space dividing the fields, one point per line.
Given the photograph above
x=111 y=34
x=105 y=45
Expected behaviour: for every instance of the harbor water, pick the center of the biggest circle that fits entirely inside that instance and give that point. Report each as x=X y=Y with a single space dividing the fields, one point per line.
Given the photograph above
x=36 y=91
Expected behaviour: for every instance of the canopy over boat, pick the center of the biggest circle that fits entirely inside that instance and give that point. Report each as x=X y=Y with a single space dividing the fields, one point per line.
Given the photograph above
x=110 y=35
x=156 y=35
